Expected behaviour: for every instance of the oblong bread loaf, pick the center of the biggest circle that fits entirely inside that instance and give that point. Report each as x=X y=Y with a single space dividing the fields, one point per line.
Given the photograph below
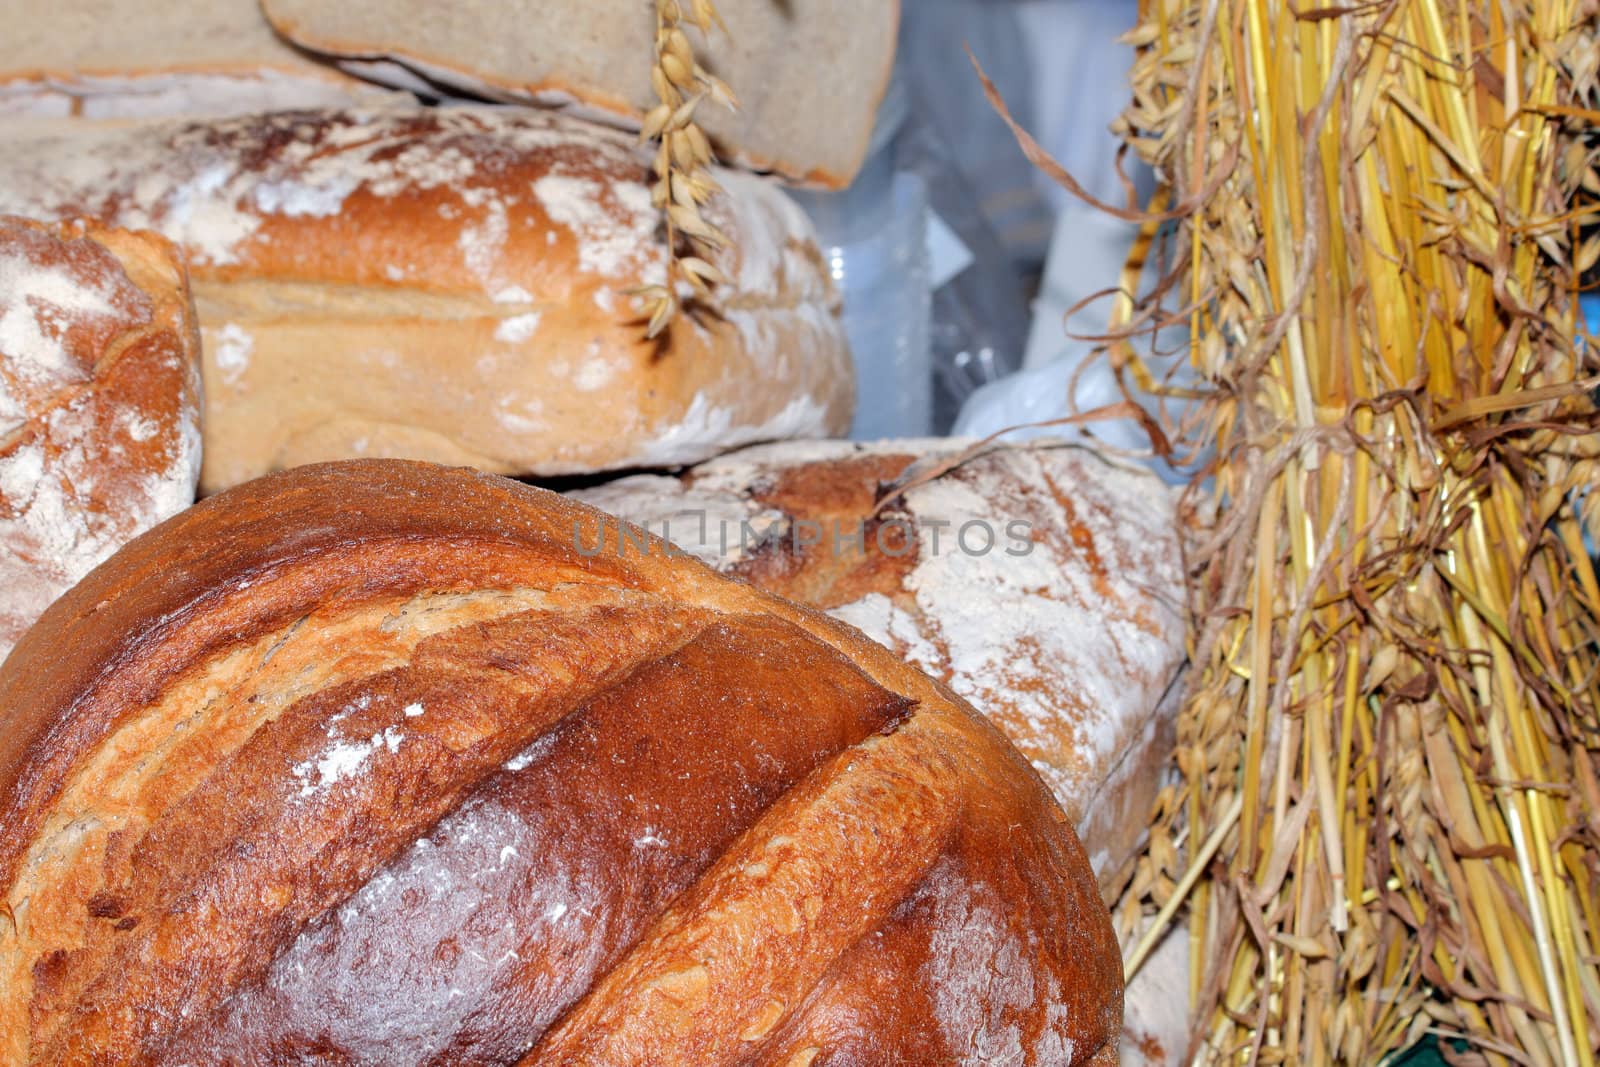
x=451 y=284
x=809 y=74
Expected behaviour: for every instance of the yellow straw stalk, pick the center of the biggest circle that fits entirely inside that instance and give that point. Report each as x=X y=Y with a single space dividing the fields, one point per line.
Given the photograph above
x=1391 y=739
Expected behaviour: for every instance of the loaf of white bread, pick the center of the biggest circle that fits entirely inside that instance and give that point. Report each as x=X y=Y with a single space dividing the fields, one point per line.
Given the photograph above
x=809 y=74
x=109 y=58
x=452 y=284
x=1042 y=582
x=99 y=404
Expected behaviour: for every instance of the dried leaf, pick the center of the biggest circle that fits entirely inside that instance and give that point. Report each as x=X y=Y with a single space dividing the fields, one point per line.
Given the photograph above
x=684 y=115
x=654 y=123
x=1588 y=255
x=676 y=45
x=678 y=73
x=662 y=85
x=690 y=222
x=705 y=14
x=705 y=272
x=682 y=149
x=719 y=90
x=661 y=314
x=699 y=147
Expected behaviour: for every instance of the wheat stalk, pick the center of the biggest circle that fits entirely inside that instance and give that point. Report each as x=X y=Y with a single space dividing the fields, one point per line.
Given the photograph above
x=1393 y=727
x=683 y=154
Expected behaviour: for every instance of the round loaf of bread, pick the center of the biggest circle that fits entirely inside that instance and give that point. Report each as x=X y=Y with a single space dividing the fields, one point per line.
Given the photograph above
x=99 y=403
x=1040 y=581
x=452 y=285
x=385 y=763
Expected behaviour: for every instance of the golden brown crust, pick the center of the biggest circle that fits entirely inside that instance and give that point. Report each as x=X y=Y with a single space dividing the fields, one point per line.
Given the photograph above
x=835 y=494
x=314 y=687
x=451 y=284
x=99 y=396
x=611 y=749
x=1064 y=630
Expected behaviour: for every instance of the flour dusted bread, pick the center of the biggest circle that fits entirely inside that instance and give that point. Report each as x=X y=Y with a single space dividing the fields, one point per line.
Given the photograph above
x=1040 y=582
x=809 y=74
x=391 y=770
x=1155 y=1023
x=99 y=395
x=451 y=284
x=111 y=58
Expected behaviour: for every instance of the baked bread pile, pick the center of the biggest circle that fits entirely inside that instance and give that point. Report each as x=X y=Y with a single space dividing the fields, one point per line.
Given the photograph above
x=99 y=403
x=1038 y=581
x=452 y=284
x=388 y=771
x=378 y=762
x=458 y=284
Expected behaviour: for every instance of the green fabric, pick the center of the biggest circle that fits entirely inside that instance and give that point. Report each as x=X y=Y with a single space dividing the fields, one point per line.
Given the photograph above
x=1422 y=1054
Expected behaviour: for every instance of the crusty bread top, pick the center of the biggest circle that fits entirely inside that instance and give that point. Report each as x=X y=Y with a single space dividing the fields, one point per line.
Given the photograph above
x=272 y=699
x=809 y=74
x=372 y=198
x=67 y=40
x=99 y=397
x=63 y=300
x=515 y=235
x=203 y=565
x=1037 y=580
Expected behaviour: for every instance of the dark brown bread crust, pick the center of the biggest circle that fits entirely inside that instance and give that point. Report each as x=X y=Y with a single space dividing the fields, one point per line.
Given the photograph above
x=369 y=763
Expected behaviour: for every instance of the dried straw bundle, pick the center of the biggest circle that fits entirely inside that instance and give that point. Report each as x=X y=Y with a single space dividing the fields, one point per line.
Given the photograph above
x=1392 y=739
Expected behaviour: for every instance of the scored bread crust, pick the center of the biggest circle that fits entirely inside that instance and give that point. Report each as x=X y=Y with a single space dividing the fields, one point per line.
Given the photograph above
x=451 y=284
x=1038 y=580
x=179 y=839
x=808 y=101
x=99 y=403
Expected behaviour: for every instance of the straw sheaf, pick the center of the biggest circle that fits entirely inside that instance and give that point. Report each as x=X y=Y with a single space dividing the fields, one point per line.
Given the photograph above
x=1389 y=796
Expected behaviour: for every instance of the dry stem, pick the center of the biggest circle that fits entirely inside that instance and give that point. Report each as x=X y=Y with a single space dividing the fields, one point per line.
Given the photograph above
x=683 y=154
